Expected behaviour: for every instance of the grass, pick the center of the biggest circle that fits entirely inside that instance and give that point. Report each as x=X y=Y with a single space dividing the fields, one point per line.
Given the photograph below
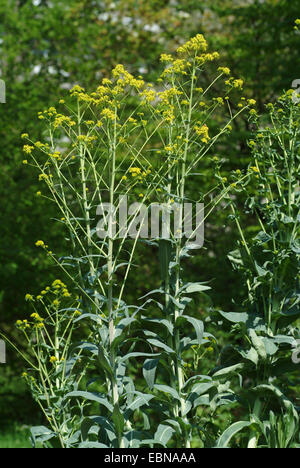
x=15 y=436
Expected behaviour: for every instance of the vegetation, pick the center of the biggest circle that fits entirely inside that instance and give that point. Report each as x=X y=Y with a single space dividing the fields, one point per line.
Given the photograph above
x=127 y=341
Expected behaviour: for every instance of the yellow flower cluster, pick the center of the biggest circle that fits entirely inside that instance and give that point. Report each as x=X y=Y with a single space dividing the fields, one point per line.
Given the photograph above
x=135 y=171
x=125 y=78
x=202 y=131
x=219 y=100
x=148 y=95
x=109 y=114
x=171 y=148
x=238 y=83
x=37 y=317
x=41 y=145
x=40 y=243
x=55 y=155
x=177 y=66
x=166 y=58
x=22 y=324
x=28 y=149
x=86 y=139
x=168 y=94
x=224 y=70
x=203 y=58
x=61 y=120
x=138 y=173
x=193 y=45
x=76 y=90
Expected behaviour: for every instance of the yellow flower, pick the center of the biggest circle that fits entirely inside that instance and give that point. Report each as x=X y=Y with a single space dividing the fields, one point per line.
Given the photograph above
x=194 y=44
x=220 y=100
x=25 y=161
x=76 y=90
x=39 y=193
x=224 y=70
x=166 y=58
x=238 y=83
x=106 y=81
x=202 y=131
x=22 y=324
x=108 y=114
x=168 y=148
x=134 y=171
x=40 y=243
x=53 y=359
x=28 y=297
x=36 y=317
x=28 y=149
x=251 y=102
x=24 y=135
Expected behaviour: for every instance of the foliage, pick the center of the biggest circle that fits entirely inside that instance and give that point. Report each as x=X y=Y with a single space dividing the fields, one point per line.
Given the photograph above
x=108 y=153
x=268 y=326
x=37 y=69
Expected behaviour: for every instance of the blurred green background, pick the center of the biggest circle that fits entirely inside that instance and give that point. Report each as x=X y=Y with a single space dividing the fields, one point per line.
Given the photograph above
x=48 y=46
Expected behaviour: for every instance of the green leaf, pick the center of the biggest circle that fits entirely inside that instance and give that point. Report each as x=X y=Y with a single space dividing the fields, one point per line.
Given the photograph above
x=160 y=344
x=161 y=321
x=137 y=354
x=101 y=422
x=149 y=371
x=163 y=434
x=92 y=445
x=198 y=326
x=199 y=389
x=194 y=287
x=92 y=396
x=227 y=435
x=270 y=346
x=227 y=371
x=282 y=398
x=258 y=344
x=104 y=362
x=235 y=317
x=250 y=355
x=41 y=434
x=169 y=390
x=141 y=400
x=118 y=420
